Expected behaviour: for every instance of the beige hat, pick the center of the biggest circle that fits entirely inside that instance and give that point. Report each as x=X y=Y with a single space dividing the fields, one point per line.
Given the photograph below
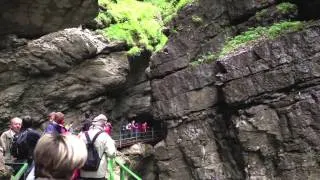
x=100 y=117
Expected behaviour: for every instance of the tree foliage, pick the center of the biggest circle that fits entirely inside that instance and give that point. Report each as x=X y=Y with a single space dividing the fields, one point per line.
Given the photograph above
x=139 y=23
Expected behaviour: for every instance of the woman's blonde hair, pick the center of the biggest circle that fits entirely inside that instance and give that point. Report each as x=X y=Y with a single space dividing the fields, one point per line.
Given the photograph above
x=56 y=156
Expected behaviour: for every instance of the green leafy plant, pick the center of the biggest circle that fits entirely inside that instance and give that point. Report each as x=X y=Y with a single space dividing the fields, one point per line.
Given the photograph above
x=260 y=14
x=284 y=27
x=104 y=18
x=286 y=7
x=205 y=58
x=182 y=3
x=138 y=23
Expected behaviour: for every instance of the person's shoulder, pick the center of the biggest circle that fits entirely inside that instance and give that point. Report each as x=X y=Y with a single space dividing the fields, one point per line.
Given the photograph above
x=33 y=131
x=102 y=134
x=6 y=133
x=106 y=137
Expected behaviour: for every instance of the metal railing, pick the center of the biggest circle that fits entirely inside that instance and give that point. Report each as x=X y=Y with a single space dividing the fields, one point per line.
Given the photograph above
x=21 y=171
x=124 y=171
x=126 y=138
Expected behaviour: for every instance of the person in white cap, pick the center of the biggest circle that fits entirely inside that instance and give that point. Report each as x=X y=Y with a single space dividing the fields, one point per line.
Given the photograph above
x=104 y=144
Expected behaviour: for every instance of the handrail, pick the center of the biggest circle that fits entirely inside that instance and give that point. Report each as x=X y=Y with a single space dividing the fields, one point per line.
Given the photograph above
x=123 y=170
x=21 y=171
x=128 y=138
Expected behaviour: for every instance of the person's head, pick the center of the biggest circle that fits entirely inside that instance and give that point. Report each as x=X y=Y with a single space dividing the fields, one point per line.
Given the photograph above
x=27 y=122
x=57 y=156
x=15 y=124
x=87 y=114
x=99 y=121
x=59 y=118
x=52 y=116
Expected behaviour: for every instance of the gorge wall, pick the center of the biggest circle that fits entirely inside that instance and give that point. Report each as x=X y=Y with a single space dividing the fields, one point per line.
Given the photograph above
x=253 y=114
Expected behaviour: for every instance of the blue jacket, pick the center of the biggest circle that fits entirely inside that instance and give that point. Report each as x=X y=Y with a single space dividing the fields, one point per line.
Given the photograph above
x=53 y=127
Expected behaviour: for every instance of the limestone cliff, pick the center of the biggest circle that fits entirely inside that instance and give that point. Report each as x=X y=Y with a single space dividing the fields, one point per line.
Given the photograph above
x=253 y=114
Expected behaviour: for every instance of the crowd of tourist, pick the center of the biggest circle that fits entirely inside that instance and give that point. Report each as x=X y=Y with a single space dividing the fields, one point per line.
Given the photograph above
x=56 y=153
x=134 y=129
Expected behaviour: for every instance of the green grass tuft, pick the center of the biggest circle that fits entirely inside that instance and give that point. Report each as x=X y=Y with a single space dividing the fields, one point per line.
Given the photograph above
x=255 y=34
x=251 y=36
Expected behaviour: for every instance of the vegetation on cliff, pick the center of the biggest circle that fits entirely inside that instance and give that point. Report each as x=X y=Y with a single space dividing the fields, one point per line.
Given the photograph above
x=253 y=35
x=258 y=33
x=286 y=7
x=139 y=23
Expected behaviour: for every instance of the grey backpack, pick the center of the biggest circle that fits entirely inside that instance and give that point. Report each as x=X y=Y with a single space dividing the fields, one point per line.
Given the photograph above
x=93 y=159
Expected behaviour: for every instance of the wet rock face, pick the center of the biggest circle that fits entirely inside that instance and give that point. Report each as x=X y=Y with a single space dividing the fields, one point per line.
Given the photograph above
x=69 y=71
x=34 y=18
x=253 y=114
x=262 y=122
x=279 y=82
x=200 y=28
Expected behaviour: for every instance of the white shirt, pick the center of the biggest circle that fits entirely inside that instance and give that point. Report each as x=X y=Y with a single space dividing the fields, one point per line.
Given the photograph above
x=105 y=146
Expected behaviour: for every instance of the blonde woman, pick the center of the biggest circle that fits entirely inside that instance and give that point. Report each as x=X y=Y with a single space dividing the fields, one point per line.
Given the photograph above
x=57 y=156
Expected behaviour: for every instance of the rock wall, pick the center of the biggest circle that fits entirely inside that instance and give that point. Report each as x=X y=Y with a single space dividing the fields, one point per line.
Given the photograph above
x=71 y=71
x=251 y=115
x=29 y=18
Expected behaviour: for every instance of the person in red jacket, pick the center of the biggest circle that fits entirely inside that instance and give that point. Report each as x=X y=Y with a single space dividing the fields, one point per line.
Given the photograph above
x=144 y=127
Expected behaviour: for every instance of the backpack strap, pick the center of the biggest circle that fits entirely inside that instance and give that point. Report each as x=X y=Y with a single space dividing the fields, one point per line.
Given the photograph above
x=94 y=138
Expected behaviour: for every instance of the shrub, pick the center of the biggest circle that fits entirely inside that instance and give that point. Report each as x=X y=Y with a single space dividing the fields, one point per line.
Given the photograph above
x=260 y=14
x=138 y=23
x=286 y=7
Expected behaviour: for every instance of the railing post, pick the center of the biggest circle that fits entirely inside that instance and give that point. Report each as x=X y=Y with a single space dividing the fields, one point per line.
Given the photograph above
x=21 y=172
x=152 y=132
x=122 y=174
x=124 y=171
x=136 y=132
x=120 y=138
x=110 y=168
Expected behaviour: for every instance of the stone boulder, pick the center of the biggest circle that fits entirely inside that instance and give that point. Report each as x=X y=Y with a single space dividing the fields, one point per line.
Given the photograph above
x=61 y=71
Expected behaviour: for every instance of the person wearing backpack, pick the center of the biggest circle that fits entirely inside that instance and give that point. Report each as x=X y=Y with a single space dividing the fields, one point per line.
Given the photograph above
x=25 y=141
x=100 y=146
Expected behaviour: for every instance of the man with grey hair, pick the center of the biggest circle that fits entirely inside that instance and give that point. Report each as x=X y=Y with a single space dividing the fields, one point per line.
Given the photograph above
x=104 y=145
x=7 y=136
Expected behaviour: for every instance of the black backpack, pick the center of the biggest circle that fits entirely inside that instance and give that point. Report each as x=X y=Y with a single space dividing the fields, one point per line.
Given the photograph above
x=93 y=159
x=23 y=143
